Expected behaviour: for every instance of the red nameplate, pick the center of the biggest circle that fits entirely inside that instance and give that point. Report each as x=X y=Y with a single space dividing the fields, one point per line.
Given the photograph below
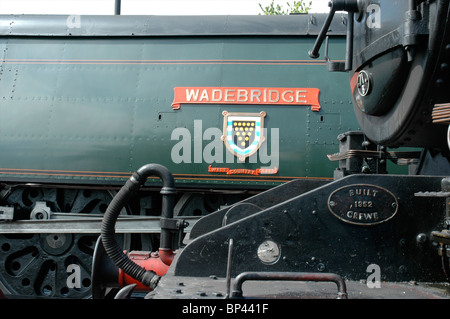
x=244 y=95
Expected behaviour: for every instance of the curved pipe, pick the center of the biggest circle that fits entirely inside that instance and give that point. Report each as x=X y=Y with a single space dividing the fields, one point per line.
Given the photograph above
x=131 y=187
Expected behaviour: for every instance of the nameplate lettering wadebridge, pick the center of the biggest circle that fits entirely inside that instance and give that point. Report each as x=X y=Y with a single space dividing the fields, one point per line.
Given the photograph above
x=246 y=95
x=362 y=204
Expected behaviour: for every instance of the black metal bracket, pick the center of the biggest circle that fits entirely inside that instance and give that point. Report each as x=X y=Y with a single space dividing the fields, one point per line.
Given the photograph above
x=175 y=226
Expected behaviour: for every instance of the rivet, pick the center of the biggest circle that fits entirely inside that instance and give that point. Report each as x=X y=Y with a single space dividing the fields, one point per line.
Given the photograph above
x=320 y=267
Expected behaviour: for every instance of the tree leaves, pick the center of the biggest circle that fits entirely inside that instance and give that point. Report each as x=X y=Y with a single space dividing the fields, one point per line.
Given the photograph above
x=276 y=9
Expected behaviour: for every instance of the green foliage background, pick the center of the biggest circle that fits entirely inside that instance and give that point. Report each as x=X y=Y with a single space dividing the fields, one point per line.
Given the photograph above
x=277 y=9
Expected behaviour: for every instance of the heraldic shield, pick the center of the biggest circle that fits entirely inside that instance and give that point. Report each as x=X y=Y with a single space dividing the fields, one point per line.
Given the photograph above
x=243 y=133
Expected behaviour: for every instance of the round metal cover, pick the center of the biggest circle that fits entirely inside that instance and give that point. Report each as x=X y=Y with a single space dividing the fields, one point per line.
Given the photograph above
x=363 y=204
x=269 y=252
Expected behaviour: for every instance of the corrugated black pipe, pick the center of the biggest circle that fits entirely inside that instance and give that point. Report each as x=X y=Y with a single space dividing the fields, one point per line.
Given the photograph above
x=131 y=187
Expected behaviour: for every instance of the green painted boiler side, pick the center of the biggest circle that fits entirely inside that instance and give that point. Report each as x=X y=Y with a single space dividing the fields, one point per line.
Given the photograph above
x=94 y=108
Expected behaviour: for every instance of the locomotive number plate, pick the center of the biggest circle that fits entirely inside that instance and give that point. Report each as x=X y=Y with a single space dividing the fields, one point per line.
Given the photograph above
x=363 y=204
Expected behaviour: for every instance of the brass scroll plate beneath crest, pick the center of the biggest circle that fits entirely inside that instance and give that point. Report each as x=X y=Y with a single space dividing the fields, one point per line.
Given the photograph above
x=362 y=204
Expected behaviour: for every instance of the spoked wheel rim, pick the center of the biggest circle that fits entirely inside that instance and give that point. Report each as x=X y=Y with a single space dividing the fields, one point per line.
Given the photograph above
x=51 y=265
x=36 y=265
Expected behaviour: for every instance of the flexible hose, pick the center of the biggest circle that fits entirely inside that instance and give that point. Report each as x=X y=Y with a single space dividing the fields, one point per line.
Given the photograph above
x=131 y=187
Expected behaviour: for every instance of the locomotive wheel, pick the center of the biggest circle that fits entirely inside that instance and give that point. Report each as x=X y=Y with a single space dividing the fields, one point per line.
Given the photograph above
x=40 y=265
